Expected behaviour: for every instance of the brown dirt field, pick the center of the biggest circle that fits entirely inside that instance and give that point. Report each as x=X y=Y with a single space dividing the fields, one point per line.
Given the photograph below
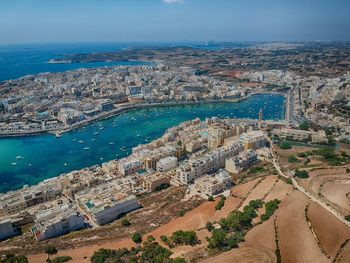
x=231 y=203
x=83 y=254
x=192 y=220
x=262 y=235
x=243 y=189
x=330 y=232
x=280 y=191
x=261 y=190
x=244 y=254
x=336 y=193
x=297 y=244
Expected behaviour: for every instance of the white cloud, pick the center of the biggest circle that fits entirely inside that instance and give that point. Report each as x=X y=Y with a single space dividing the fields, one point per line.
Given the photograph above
x=172 y=1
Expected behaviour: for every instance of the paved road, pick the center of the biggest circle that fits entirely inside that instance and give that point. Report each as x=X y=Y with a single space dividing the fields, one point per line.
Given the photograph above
x=301 y=189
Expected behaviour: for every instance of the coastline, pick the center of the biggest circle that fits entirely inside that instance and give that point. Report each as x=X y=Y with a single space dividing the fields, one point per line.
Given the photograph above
x=127 y=108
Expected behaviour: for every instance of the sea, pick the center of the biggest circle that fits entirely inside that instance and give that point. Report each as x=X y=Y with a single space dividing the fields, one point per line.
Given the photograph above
x=31 y=159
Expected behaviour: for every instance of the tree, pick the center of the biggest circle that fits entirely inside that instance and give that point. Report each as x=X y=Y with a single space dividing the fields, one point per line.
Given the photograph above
x=209 y=226
x=304 y=126
x=292 y=158
x=125 y=222
x=301 y=174
x=50 y=250
x=137 y=238
x=347 y=217
x=221 y=203
x=285 y=145
x=211 y=198
x=11 y=258
x=347 y=170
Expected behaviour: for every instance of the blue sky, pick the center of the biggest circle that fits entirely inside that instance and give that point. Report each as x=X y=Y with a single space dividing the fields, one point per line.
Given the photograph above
x=33 y=21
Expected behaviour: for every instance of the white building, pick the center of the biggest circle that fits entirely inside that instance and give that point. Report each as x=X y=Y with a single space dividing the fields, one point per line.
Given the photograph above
x=242 y=161
x=57 y=221
x=105 y=203
x=207 y=164
x=213 y=185
x=166 y=164
x=127 y=166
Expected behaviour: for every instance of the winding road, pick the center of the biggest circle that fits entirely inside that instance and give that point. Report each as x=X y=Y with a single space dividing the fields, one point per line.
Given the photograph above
x=301 y=189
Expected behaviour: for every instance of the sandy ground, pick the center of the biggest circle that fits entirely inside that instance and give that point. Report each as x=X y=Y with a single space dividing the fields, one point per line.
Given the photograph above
x=297 y=243
x=336 y=193
x=260 y=190
x=244 y=254
x=330 y=232
x=243 y=189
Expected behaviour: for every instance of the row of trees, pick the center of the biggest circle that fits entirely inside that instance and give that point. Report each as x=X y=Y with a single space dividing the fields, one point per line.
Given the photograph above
x=150 y=251
x=234 y=227
x=180 y=238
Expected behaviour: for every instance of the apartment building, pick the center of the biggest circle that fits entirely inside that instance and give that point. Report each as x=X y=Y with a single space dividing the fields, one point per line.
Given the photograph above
x=210 y=162
x=213 y=185
x=166 y=164
x=57 y=221
x=242 y=161
x=105 y=203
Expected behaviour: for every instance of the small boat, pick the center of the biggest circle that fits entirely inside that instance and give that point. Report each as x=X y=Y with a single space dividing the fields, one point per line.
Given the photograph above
x=29 y=164
x=133 y=119
x=87 y=148
x=65 y=164
x=101 y=158
x=96 y=133
x=19 y=157
x=101 y=128
x=81 y=141
x=13 y=163
x=93 y=140
x=122 y=148
x=74 y=140
x=111 y=143
x=138 y=135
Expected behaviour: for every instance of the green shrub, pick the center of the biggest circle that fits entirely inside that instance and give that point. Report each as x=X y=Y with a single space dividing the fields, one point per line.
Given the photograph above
x=301 y=174
x=285 y=145
x=61 y=259
x=255 y=170
x=125 y=222
x=181 y=237
x=270 y=208
x=292 y=159
x=304 y=126
x=137 y=238
x=209 y=226
x=221 y=203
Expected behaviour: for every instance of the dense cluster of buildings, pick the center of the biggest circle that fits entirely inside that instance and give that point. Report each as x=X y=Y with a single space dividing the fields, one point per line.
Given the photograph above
x=58 y=101
x=193 y=152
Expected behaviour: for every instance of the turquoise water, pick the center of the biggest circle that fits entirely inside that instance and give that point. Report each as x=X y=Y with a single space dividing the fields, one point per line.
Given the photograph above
x=46 y=156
